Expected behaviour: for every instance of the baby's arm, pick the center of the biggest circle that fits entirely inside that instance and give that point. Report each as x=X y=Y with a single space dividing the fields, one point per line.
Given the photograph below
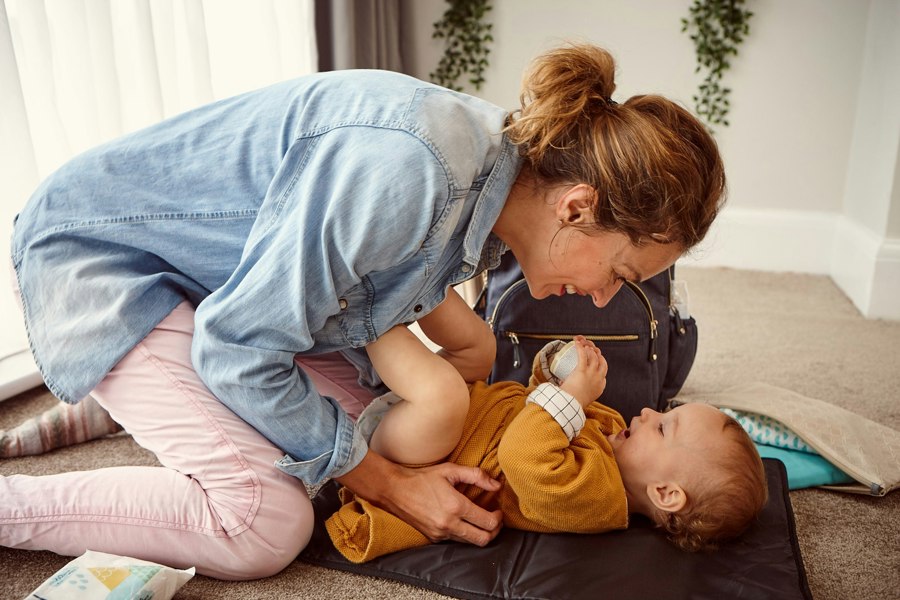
x=560 y=484
x=563 y=479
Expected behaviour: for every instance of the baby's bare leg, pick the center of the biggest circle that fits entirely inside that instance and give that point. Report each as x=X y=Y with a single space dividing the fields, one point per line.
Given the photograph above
x=427 y=424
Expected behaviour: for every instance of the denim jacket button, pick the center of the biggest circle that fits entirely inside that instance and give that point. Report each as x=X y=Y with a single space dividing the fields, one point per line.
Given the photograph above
x=342 y=303
x=418 y=308
x=466 y=268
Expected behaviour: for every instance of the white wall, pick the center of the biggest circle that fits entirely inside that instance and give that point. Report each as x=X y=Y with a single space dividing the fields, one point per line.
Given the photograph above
x=811 y=153
x=866 y=251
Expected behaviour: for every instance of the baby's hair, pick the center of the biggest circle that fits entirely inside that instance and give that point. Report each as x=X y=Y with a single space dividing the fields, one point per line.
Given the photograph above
x=654 y=167
x=724 y=502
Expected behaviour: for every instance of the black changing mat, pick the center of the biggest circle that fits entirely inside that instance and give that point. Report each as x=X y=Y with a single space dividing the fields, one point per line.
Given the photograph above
x=634 y=564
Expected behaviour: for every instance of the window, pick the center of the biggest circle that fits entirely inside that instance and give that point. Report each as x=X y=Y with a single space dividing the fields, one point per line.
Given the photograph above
x=75 y=74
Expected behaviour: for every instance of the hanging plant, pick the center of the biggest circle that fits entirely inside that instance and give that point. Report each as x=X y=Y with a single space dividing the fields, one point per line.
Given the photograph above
x=466 y=37
x=717 y=28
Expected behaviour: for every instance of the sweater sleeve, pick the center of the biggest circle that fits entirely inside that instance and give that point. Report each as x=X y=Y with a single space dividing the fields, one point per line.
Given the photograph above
x=561 y=485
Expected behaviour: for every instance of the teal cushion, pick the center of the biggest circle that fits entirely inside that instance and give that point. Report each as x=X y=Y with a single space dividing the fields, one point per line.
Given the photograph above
x=768 y=431
x=805 y=469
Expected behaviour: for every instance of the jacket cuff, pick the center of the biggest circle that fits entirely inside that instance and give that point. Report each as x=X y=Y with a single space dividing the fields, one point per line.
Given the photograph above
x=562 y=406
x=350 y=449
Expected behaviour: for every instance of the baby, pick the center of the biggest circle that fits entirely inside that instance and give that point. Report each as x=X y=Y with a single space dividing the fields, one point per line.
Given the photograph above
x=567 y=462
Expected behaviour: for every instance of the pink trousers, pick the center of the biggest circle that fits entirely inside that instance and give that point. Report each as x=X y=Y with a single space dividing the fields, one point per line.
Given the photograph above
x=218 y=503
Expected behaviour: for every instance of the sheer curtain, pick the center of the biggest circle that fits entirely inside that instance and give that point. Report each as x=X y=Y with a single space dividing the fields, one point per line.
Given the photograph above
x=358 y=34
x=74 y=73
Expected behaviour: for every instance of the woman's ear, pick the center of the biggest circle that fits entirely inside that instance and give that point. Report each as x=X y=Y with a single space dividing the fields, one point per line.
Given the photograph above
x=668 y=496
x=575 y=206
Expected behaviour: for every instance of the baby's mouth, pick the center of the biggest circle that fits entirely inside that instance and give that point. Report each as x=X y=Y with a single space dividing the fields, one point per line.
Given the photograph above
x=621 y=436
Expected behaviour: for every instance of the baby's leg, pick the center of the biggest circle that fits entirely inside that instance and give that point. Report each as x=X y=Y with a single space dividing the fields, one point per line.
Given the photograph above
x=427 y=424
x=62 y=425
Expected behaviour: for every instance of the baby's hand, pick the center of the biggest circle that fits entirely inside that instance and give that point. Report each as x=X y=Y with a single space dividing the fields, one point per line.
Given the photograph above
x=587 y=382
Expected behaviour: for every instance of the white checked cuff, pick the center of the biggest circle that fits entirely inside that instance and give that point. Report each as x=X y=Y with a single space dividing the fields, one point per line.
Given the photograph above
x=562 y=406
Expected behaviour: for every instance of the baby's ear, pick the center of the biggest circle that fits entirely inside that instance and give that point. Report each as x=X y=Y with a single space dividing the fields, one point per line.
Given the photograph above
x=667 y=496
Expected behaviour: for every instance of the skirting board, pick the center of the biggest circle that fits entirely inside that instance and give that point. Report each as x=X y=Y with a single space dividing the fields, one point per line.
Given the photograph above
x=867 y=268
x=863 y=264
x=17 y=374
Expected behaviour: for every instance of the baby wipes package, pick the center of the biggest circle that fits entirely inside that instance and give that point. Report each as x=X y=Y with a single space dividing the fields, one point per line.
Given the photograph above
x=96 y=576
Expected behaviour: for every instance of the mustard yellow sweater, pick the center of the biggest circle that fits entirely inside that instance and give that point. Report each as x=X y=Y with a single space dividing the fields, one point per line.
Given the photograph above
x=549 y=483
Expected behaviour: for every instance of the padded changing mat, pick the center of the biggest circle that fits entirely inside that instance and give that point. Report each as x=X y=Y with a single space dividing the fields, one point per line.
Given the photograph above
x=629 y=565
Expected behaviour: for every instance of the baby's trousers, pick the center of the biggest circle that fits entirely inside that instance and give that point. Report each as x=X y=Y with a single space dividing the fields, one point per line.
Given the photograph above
x=217 y=502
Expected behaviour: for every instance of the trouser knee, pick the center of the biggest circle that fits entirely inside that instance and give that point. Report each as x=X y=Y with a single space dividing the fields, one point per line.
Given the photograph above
x=267 y=549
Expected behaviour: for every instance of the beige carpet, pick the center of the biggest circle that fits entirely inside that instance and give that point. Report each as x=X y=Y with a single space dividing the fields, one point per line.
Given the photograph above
x=795 y=331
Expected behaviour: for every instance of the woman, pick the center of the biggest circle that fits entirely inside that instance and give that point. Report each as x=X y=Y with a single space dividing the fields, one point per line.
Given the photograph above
x=177 y=273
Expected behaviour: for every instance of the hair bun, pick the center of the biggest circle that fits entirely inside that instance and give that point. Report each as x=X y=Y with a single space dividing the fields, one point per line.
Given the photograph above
x=572 y=73
x=563 y=91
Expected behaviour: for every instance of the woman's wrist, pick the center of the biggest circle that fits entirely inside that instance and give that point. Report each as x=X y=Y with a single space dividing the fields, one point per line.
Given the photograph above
x=373 y=478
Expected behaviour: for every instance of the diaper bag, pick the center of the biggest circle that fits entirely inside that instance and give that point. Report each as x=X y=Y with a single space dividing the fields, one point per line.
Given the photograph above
x=647 y=341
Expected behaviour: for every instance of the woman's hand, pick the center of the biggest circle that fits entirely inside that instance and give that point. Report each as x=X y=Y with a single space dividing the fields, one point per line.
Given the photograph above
x=427 y=499
x=587 y=382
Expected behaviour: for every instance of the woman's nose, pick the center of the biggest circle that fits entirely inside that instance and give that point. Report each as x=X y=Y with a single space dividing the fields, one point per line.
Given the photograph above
x=647 y=412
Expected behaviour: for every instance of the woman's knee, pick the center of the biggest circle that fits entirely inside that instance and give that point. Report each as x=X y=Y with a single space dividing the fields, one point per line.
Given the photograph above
x=271 y=544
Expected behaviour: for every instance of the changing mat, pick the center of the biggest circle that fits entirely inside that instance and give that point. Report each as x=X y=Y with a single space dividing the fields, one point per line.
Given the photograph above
x=634 y=564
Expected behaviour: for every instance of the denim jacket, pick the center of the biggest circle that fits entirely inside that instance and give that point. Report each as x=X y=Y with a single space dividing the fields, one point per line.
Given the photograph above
x=307 y=217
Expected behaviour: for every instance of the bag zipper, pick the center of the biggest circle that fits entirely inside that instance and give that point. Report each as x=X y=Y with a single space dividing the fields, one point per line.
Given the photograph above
x=514 y=336
x=676 y=316
x=654 y=332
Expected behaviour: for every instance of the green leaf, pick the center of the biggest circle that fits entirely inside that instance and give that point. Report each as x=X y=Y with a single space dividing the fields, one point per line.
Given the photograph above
x=466 y=38
x=717 y=28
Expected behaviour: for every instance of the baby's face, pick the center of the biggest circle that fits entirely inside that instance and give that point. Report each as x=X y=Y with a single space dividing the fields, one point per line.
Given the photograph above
x=665 y=446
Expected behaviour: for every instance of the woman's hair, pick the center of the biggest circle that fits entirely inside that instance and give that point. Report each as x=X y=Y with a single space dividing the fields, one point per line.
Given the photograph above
x=655 y=168
x=724 y=500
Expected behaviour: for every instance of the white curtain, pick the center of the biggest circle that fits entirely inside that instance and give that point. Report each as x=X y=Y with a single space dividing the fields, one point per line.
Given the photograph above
x=75 y=73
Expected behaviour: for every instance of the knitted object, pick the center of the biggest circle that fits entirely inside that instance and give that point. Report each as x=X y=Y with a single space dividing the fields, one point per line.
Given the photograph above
x=564 y=361
x=62 y=425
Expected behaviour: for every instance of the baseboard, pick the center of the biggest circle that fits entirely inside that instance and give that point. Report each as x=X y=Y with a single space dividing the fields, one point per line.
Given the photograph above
x=866 y=267
x=863 y=264
x=17 y=374
x=884 y=302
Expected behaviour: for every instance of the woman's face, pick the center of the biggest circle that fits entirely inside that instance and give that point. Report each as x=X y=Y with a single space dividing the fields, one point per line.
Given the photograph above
x=593 y=263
